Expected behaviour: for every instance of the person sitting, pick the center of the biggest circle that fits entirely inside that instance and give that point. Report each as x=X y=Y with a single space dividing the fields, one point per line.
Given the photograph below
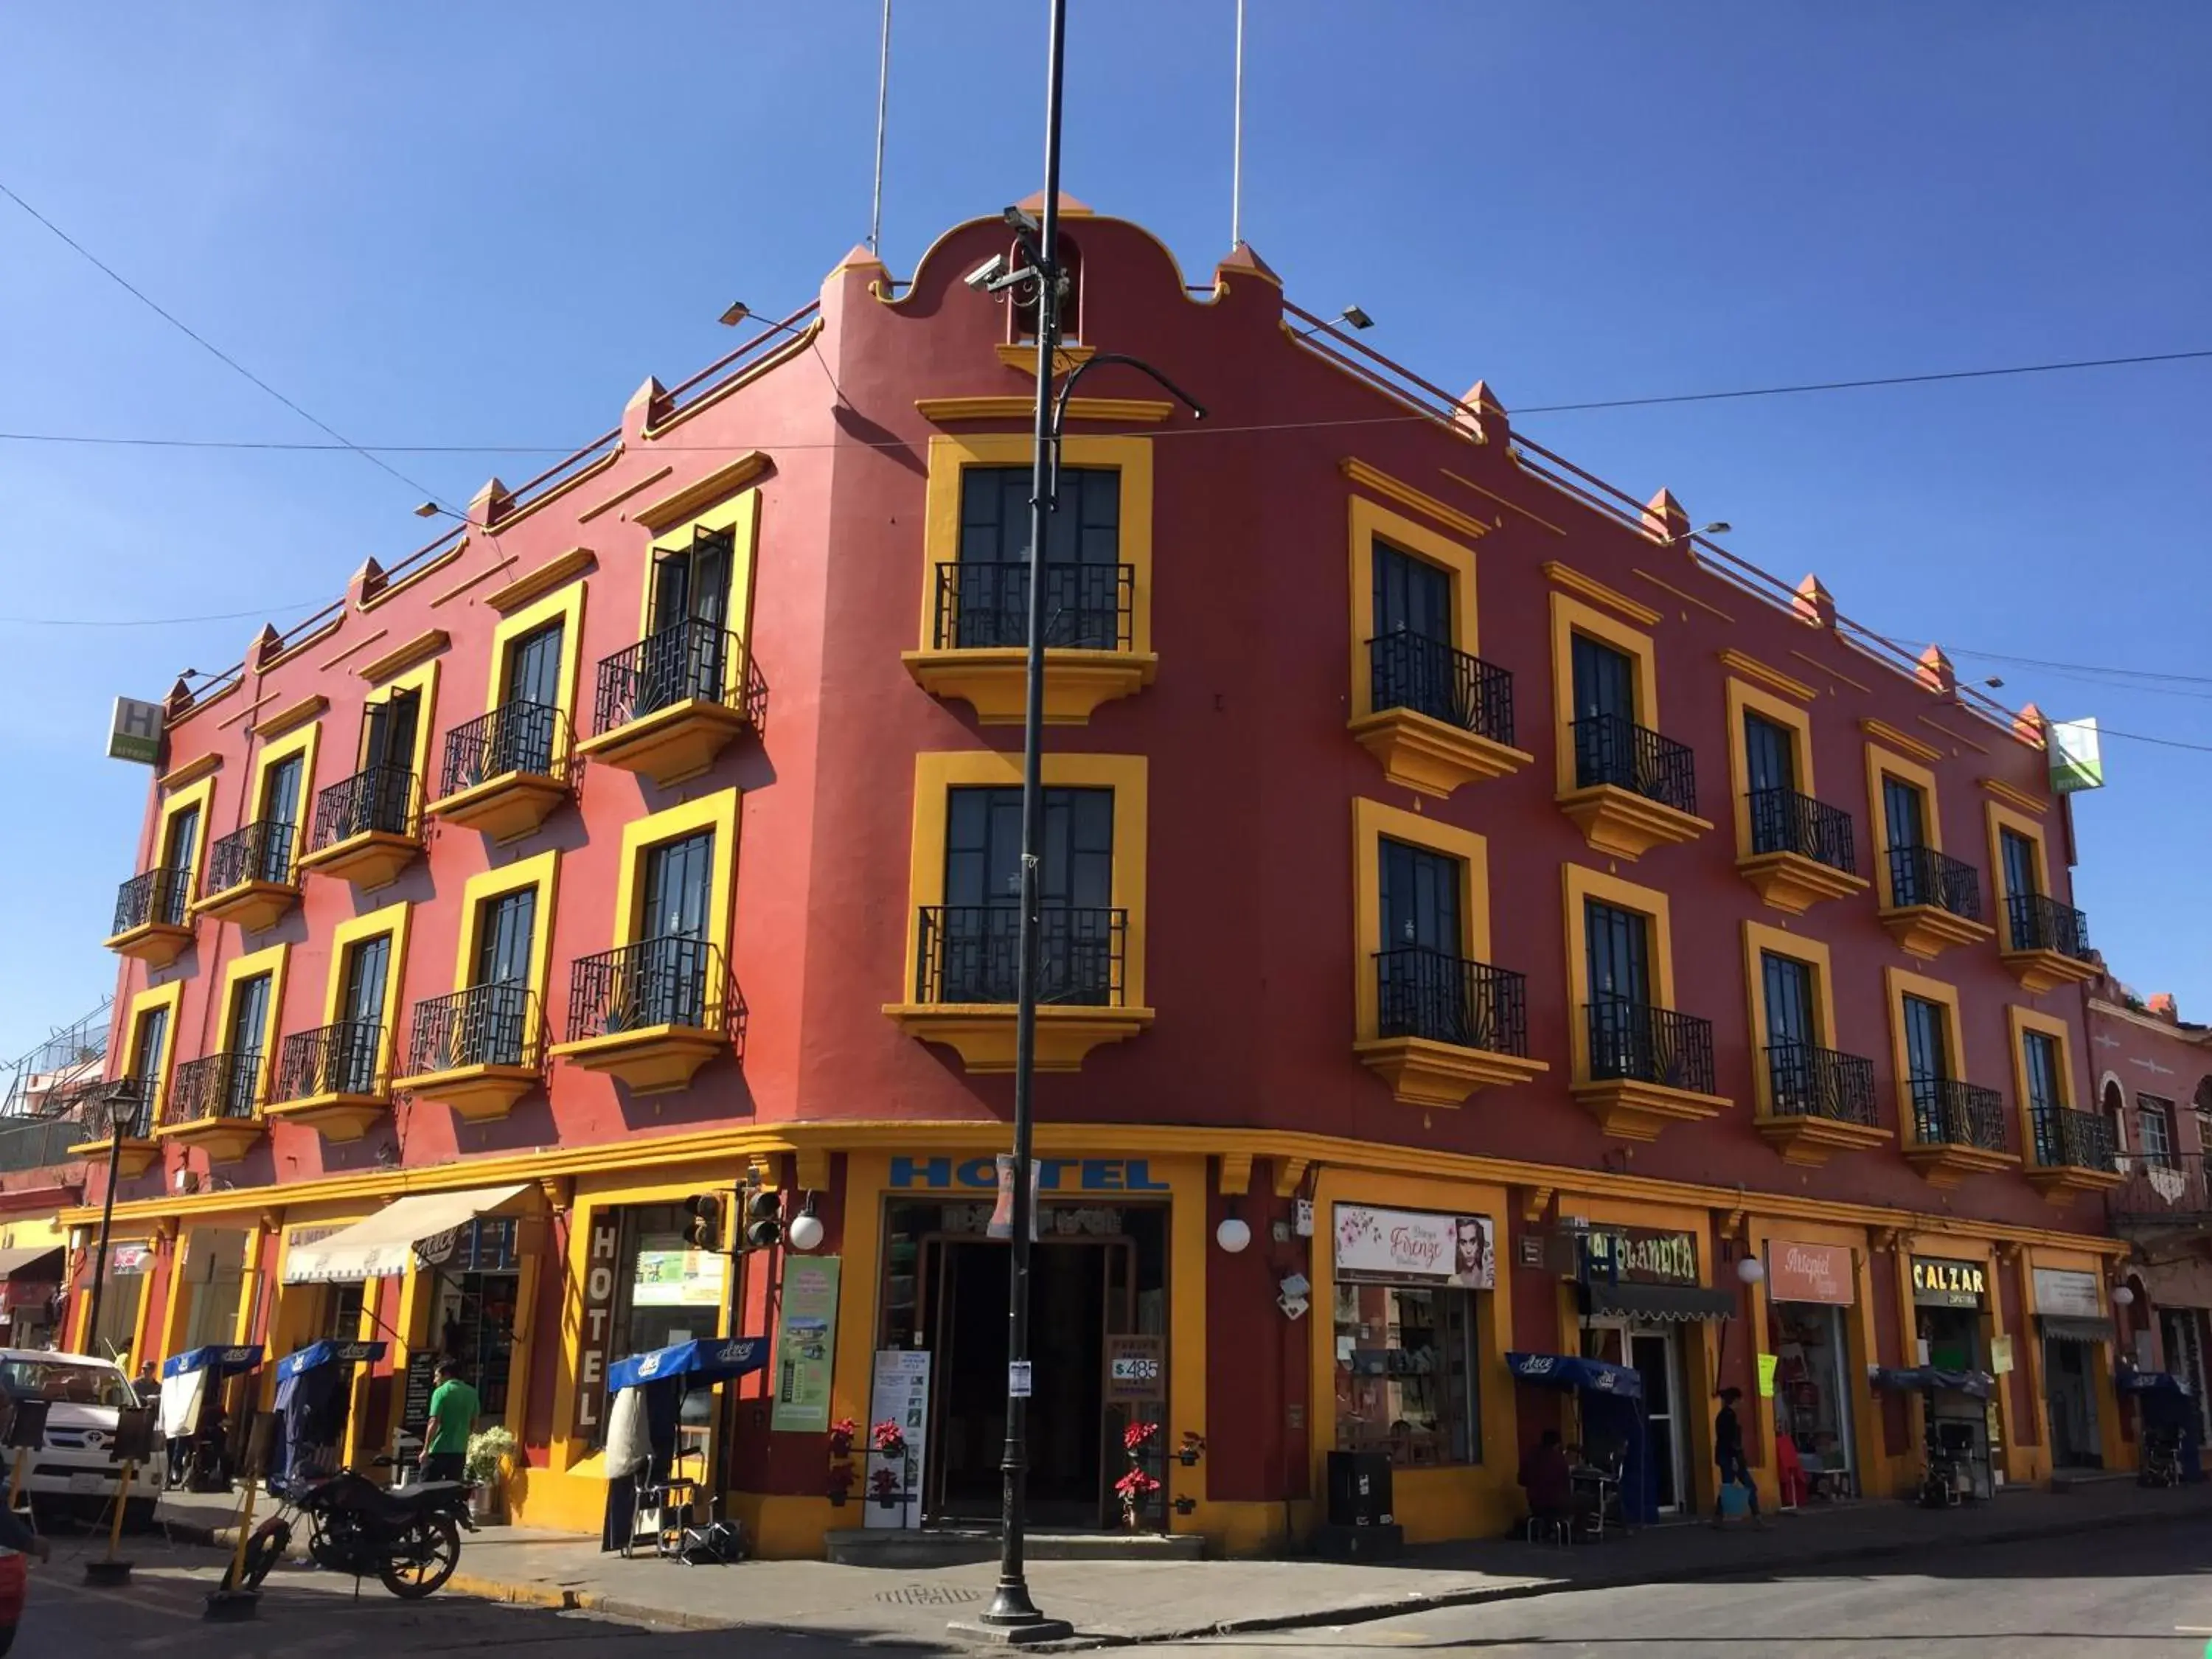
x=1544 y=1476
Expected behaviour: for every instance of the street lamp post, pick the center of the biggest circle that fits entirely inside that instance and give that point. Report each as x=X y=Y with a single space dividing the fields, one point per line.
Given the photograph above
x=120 y=1097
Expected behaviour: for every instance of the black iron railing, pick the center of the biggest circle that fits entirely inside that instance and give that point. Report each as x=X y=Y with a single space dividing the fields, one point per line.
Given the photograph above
x=670 y=980
x=2040 y=923
x=969 y=954
x=1408 y=670
x=260 y=852
x=1611 y=749
x=483 y=1025
x=1087 y=607
x=515 y=737
x=1649 y=1045
x=378 y=801
x=84 y=1110
x=1805 y=1081
x=2065 y=1139
x=2171 y=1190
x=1949 y=1113
x=1921 y=875
x=685 y=662
x=1446 y=999
x=1783 y=821
x=332 y=1060
x=160 y=896
x=221 y=1085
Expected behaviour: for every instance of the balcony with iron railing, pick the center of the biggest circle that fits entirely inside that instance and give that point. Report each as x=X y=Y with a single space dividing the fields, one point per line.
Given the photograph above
x=2070 y=1152
x=85 y=1114
x=2046 y=942
x=153 y=916
x=250 y=879
x=1958 y=1129
x=1436 y=717
x=333 y=1079
x=1817 y=1102
x=480 y=1050
x=367 y=828
x=976 y=649
x=1444 y=1027
x=2161 y=1198
x=1639 y=1068
x=1799 y=850
x=1627 y=788
x=966 y=976
x=650 y=1014
x=214 y=1102
x=668 y=705
x=505 y=772
x=1934 y=901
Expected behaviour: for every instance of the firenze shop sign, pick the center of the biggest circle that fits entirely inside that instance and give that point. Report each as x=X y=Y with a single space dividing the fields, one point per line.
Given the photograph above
x=597 y=1326
x=1810 y=1273
x=1938 y=1283
x=1642 y=1255
x=1400 y=1245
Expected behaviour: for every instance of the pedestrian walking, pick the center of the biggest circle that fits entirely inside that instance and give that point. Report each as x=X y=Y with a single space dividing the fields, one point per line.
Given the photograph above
x=453 y=1408
x=1728 y=1454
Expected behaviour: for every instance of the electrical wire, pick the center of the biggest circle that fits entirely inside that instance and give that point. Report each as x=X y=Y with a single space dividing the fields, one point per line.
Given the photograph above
x=263 y=612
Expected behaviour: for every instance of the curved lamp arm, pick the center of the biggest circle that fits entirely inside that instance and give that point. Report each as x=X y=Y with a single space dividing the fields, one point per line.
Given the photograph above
x=1067 y=387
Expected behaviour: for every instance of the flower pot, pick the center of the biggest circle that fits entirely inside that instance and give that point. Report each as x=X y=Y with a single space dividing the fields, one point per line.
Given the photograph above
x=484 y=1500
x=837 y=1500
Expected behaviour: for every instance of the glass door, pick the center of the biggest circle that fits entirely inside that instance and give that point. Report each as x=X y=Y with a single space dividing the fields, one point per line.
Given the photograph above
x=1616 y=942
x=672 y=967
x=1652 y=1355
x=359 y=1036
x=531 y=701
x=179 y=849
x=499 y=1012
x=280 y=813
x=685 y=657
x=249 y=1020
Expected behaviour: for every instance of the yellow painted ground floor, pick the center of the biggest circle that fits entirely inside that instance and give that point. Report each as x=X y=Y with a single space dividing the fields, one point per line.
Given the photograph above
x=1345 y=1322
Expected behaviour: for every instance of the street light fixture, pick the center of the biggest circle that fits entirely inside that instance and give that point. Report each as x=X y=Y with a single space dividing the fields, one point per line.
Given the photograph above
x=1351 y=316
x=1717 y=527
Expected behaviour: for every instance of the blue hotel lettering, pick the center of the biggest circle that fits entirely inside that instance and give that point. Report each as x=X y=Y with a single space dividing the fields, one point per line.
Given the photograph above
x=1090 y=1174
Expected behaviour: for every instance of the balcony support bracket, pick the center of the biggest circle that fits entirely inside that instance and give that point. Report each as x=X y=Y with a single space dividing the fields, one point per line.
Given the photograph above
x=652 y=1060
x=1927 y=931
x=1794 y=883
x=1432 y=757
x=1810 y=1141
x=1625 y=825
x=1630 y=1109
x=991 y=680
x=339 y=1119
x=1422 y=1073
x=2038 y=971
x=983 y=1033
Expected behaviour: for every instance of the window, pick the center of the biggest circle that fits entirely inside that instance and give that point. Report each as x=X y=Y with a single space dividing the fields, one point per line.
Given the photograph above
x=524 y=737
x=1411 y=596
x=248 y=1024
x=1420 y=898
x=2114 y=1100
x=1905 y=812
x=2018 y=864
x=280 y=812
x=180 y=842
x=1415 y=645
x=979 y=927
x=2154 y=1119
x=357 y=1049
x=506 y=936
x=1926 y=1046
x=687 y=650
x=1620 y=981
x=665 y=1293
x=380 y=798
x=342 y=1313
x=1796 y=1073
x=1769 y=754
x=1405 y=1373
x=1086 y=585
x=672 y=976
x=1605 y=715
x=1618 y=941
x=1421 y=939
x=1789 y=986
x=149 y=1051
x=2045 y=1093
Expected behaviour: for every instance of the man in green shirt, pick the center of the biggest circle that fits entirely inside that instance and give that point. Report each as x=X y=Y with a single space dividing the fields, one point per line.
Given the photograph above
x=453 y=1408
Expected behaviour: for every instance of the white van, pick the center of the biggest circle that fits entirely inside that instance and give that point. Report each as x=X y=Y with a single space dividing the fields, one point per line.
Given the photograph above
x=72 y=1474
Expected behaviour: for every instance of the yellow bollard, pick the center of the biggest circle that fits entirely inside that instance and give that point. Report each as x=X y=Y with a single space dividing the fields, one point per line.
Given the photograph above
x=111 y=1570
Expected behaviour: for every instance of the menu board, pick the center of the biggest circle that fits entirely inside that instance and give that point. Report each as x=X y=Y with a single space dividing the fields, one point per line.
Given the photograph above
x=415 y=1400
x=806 y=1343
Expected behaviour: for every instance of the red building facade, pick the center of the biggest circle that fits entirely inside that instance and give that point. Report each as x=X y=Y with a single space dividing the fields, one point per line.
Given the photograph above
x=1444 y=850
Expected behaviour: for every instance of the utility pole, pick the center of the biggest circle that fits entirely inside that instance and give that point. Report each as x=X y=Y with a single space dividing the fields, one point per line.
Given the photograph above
x=120 y=1103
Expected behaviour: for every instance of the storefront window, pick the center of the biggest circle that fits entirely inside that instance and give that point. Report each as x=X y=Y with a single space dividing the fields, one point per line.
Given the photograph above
x=342 y=1320
x=118 y=1315
x=474 y=1310
x=667 y=1291
x=1405 y=1373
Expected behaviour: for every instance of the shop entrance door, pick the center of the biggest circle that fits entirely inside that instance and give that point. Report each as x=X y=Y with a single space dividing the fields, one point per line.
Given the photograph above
x=2069 y=1385
x=2183 y=1330
x=1081 y=1291
x=1653 y=1355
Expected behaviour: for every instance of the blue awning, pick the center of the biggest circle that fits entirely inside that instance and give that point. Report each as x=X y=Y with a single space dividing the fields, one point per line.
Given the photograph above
x=1919 y=1379
x=708 y=1359
x=1559 y=1371
x=223 y=1362
x=2133 y=1382
x=319 y=1354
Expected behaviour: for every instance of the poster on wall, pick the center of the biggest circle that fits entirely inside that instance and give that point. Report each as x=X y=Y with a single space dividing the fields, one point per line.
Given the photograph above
x=2074 y=1295
x=1382 y=1246
x=678 y=1279
x=890 y=1495
x=806 y=1343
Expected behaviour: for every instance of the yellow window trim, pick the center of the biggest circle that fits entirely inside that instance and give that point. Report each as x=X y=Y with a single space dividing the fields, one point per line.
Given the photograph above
x=566 y=607
x=423 y=682
x=1371 y=523
x=740 y=516
x=1371 y=821
x=1745 y=698
x=1759 y=939
x=1571 y=617
x=169 y=997
x=717 y=813
x=1584 y=884
x=271 y=962
x=201 y=795
x=950 y=456
x=1880 y=761
x=540 y=873
x=391 y=921
x=1897 y=986
x=1126 y=776
x=2002 y=818
x=2019 y=1021
x=305 y=743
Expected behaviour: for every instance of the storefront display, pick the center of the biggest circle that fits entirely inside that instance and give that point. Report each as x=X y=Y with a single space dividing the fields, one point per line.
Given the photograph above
x=2070 y=1318
x=1950 y=1298
x=1639 y=1288
x=473 y=1311
x=1405 y=1312
x=1809 y=1287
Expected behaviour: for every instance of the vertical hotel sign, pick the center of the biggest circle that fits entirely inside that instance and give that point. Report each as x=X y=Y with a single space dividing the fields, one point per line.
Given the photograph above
x=596 y=1328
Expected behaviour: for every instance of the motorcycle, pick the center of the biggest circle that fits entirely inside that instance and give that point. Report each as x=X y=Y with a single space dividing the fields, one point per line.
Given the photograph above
x=409 y=1537
x=2161 y=1458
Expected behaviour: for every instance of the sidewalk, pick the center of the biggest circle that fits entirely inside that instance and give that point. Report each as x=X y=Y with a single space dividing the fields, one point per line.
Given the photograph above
x=910 y=1608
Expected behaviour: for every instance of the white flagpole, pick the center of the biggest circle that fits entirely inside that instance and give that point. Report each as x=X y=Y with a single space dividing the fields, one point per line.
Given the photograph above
x=1236 y=155
x=882 y=109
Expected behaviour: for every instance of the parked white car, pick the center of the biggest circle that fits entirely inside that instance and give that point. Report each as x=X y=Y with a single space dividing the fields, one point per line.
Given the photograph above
x=73 y=1475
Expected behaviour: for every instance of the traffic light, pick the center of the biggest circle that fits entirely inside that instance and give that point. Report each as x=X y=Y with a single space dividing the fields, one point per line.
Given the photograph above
x=704 y=1230
x=760 y=1218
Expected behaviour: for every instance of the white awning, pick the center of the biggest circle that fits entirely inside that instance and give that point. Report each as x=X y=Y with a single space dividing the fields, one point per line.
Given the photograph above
x=379 y=1247
x=31 y=1255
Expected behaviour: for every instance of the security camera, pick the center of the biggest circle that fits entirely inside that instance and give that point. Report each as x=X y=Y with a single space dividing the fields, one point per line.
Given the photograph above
x=1021 y=220
x=989 y=272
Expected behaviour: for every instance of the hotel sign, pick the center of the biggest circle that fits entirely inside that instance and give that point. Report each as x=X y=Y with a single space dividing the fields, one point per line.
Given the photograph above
x=1939 y=1283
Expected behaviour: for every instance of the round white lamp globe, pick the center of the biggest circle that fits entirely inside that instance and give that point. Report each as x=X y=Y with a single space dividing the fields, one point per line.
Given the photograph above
x=1232 y=1235
x=806 y=1232
x=1751 y=1270
x=2123 y=1297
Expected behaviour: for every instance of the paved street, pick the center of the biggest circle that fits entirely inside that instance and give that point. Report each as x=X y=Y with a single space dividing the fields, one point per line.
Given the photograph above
x=2143 y=1592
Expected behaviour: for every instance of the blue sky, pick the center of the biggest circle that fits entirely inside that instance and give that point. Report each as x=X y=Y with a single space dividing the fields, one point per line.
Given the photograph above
x=487 y=224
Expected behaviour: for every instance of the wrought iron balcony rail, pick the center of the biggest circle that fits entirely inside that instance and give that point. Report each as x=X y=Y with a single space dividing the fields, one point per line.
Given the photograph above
x=83 y=1109
x=1783 y=821
x=1408 y=671
x=969 y=954
x=673 y=980
x=684 y=662
x=2162 y=1190
x=222 y=1085
x=2041 y=923
x=332 y=1060
x=1610 y=750
x=1087 y=607
x=161 y=896
x=261 y=851
x=483 y=1025
x=1806 y=1081
x=2065 y=1139
x=1921 y=875
x=1446 y=999
x=380 y=801
x=1949 y=1113
x=528 y=737
x=1649 y=1045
